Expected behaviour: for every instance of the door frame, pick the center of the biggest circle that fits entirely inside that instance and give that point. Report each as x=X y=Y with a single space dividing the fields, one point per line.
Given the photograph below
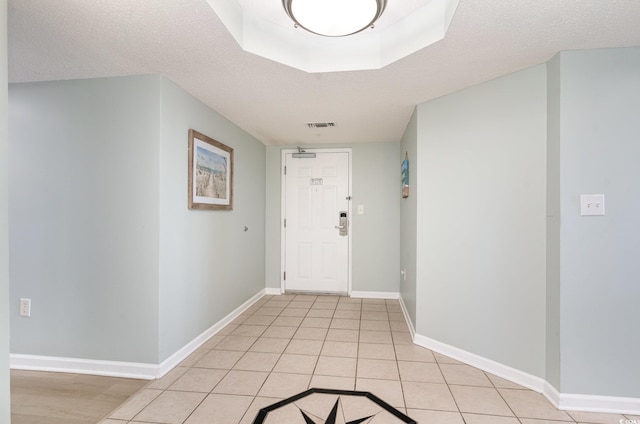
x=283 y=247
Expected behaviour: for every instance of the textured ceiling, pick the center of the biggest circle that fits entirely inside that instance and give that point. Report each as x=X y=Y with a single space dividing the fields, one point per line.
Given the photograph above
x=185 y=41
x=406 y=26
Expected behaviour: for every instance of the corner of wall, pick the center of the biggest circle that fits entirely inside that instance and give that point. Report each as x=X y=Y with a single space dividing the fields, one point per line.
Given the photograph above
x=272 y=218
x=552 y=302
x=409 y=222
x=5 y=404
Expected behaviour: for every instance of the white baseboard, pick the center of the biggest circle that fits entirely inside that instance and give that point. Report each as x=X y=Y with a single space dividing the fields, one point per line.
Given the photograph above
x=591 y=403
x=168 y=364
x=407 y=318
x=605 y=404
x=125 y=369
x=83 y=366
x=519 y=377
x=552 y=394
x=375 y=295
x=272 y=291
x=562 y=401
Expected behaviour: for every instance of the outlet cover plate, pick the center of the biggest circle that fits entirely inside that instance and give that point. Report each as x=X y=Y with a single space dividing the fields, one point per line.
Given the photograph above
x=25 y=307
x=591 y=204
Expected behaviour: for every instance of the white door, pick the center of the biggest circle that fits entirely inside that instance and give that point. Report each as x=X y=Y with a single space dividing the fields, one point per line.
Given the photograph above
x=316 y=197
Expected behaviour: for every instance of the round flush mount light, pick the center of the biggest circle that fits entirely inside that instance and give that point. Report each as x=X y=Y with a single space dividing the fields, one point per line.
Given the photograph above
x=334 y=18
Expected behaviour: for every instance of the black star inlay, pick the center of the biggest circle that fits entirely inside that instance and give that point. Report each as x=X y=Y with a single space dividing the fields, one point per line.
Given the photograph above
x=262 y=416
x=331 y=419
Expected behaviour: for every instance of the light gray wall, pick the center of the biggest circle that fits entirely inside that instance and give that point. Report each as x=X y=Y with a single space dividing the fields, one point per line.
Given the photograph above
x=5 y=402
x=376 y=234
x=101 y=237
x=409 y=219
x=507 y=267
x=83 y=217
x=272 y=217
x=208 y=264
x=481 y=220
x=376 y=239
x=599 y=151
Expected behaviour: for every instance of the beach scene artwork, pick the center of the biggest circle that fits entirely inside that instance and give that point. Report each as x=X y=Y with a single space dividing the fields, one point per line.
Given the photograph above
x=211 y=174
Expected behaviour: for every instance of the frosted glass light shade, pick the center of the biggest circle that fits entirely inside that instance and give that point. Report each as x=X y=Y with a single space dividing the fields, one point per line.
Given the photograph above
x=334 y=18
x=273 y=37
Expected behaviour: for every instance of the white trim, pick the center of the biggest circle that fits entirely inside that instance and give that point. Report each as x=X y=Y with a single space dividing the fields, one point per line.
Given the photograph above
x=375 y=295
x=519 y=377
x=604 y=404
x=168 y=364
x=83 y=366
x=552 y=394
x=125 y=369
x=283 y=154
x=407 y=318
x=271 y=291
x=562 y=401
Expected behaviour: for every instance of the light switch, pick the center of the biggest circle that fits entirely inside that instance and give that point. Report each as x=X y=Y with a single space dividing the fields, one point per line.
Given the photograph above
x=591 y=204
x=360 y=209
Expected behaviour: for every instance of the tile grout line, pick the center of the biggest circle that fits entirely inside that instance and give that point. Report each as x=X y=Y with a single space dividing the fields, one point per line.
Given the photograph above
x=449 y=389
x=355 y=379
x=395 y=356
x=280 y=354
x=225 y=375
x=493 y=385
x=230 y=369
x=270 y=372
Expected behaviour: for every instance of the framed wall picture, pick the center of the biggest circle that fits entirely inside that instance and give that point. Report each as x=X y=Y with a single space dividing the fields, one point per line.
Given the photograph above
x=405 y=176
x=210 y=173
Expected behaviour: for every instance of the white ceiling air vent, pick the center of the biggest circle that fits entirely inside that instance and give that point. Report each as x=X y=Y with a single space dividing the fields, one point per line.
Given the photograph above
x=321 y=124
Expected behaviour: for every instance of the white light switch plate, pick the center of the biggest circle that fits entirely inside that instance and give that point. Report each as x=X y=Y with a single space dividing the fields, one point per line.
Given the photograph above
x=591 y=204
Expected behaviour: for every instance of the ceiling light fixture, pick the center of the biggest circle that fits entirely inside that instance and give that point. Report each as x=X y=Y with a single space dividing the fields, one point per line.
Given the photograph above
x=334 y=18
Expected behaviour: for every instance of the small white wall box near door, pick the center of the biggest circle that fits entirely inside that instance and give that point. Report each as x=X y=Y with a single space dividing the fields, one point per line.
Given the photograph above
x=316 y=221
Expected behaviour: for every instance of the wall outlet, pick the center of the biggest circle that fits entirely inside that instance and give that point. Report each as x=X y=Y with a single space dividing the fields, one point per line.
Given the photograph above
x=25 y=307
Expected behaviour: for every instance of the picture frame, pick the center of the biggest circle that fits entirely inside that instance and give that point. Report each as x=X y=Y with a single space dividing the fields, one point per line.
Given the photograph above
x=210 y=173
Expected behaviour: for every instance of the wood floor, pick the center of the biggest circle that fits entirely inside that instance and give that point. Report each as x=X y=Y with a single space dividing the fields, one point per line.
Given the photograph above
x=57 y=398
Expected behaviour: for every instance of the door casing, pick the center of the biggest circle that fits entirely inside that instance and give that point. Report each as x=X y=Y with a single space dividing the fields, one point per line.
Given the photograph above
x=283 y=247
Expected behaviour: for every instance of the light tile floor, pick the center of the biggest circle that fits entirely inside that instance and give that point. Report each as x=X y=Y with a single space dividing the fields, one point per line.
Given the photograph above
x=284 y=345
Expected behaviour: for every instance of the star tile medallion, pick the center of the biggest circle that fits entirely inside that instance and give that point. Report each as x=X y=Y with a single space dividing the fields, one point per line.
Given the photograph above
x=326 y=406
